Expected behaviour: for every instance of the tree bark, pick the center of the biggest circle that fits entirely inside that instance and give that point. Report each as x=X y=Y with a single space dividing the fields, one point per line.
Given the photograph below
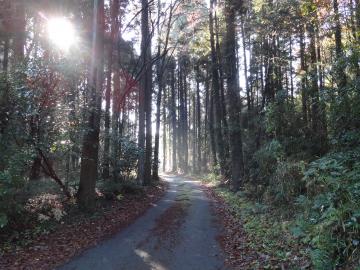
x=216 y=97
x=198 y=125
x=235 y=134
x=304 y=94
x=145 y=95
x=247 y=89
x=89 y=157
x=155 y=175
x=319 y=134
x=165 y=124
x=113 y=39
x=173 y=117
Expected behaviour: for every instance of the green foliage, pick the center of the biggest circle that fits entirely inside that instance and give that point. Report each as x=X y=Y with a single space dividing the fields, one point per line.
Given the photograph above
x=12 y=182
x=263 y=164
x=115 y=190
x=330 y=219
x=129 y=157
x=286 y=182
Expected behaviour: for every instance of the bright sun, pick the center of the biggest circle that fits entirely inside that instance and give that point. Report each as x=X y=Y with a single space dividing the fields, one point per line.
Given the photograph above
x=61 y=33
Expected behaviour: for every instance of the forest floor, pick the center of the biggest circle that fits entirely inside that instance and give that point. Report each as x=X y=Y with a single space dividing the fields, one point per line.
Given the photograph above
x=57 y=242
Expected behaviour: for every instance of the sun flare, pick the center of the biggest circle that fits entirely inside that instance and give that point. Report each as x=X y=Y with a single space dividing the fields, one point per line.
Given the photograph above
x=61 y=33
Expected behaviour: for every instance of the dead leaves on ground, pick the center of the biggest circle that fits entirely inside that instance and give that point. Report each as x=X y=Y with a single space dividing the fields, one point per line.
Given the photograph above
x=70 y=238
x=233 y=240
x=244 y=251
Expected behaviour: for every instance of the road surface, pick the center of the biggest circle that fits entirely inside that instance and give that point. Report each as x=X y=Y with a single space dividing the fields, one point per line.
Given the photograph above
x=178 y=233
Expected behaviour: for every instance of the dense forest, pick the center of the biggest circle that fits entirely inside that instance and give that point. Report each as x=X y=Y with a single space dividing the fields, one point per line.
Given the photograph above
x=259 y=99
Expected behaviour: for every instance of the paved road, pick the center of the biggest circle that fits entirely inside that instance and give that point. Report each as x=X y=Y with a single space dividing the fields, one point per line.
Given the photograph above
x=179 y=233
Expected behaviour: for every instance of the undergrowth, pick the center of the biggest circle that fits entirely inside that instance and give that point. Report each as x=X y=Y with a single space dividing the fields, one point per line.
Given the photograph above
x=268 y=229
x=311 y=210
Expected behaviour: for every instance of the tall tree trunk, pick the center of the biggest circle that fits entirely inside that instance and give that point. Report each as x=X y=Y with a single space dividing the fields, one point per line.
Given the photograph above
x=247 y=88
x=207 y=129
x=236 y=153
x=194 y=129
x=224 y=121
x=89 y=157
x=341 y=80
x=270 y=81
x=304 y=94
x=198 y=125
x=145 y=95
x=148 y=100
x=185 y=123
x=318 y=125
x=115 y=121
x=173 y=118
x=211 y=129
x=219 y=139
x=113 y=39
x=157 y=130
x=291 y=71
x=180 y=130
x=164 y=137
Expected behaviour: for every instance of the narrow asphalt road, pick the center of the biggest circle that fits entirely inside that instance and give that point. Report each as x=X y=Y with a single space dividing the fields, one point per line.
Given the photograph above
x=178 y=233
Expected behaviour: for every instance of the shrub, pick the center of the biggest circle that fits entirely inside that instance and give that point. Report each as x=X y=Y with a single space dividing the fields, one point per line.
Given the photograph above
x=112 y=189
x=127 y=164
x=286 y=183
x=12 y=182
x=331 y=209
x=263 y=165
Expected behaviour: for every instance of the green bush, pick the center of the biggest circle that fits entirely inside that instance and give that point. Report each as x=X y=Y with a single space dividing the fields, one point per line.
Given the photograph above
x=112 y=189
x=263 y=166
x=286 y=183
x=130 y=155
x=12 y=183
x=331 y=208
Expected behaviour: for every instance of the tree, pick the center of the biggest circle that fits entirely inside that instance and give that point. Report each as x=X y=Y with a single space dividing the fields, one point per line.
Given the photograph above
x=235 y=132
x=215 y=87
x=113 y=41
x=89 y=156
x=145 y=98
x=161 y=68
